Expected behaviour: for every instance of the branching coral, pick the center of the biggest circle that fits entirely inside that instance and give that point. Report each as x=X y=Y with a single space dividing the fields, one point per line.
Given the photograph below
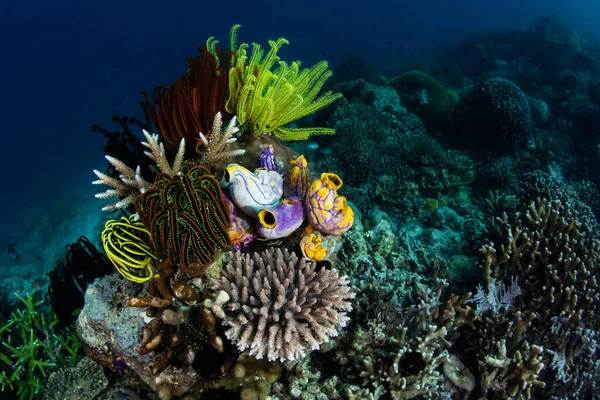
x=282 y=307
x=216 y=142
x=265 y=99
x=130 y=182
x=401 y=351
x=551 y=248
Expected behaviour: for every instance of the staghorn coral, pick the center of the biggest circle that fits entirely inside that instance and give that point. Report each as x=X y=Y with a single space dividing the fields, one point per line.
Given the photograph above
x=187 y=107
x=130 y=182
x=282 y=307
x=216 y=142
x=400 y=352
x=186 y=216
x=552 y=249
x=82 y=382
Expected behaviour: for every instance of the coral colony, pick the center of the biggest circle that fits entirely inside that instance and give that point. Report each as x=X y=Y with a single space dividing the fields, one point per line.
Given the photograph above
x=237 y=264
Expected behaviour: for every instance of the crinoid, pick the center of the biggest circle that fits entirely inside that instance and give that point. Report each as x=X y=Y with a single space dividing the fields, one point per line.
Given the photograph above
x=187 y=217
x=188 y=106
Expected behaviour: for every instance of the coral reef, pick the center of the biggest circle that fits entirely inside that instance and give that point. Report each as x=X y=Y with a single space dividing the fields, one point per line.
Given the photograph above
x=454 y=263
x=496 y=117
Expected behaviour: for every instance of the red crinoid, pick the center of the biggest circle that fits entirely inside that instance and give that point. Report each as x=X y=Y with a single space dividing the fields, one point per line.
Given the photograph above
x=187 y=107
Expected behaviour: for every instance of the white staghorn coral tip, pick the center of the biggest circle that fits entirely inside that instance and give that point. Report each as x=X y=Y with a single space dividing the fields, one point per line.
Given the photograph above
x=203 y=138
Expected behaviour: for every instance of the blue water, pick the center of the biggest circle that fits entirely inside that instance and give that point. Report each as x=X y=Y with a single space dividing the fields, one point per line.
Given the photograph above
x=67 y=65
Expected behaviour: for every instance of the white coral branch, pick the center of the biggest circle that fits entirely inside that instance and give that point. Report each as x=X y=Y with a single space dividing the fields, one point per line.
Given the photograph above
x=497 y=297
x=215 y=145
x=158 y=155
x=127 y=187
x=130 y=182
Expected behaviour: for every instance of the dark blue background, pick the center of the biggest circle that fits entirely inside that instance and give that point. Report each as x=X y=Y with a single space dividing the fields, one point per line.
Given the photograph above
x=66 y=65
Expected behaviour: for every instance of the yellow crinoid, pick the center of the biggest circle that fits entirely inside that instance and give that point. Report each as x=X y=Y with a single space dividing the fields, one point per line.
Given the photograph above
x=126 y=244
x=266 y=93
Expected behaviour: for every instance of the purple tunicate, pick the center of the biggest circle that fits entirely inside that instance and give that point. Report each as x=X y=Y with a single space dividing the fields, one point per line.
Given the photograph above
x=267 y=160
x=282 y=220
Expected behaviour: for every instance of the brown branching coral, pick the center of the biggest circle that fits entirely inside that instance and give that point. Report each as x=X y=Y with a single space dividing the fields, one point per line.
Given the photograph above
x=402 y=351
x=130 y=183
x=282 y=307
x=179 y=331
x=187 y=107
x=552 y=250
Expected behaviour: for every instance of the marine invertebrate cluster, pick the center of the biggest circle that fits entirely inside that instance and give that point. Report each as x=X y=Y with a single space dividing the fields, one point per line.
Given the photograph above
x=259 y=195
x=282 y=307
x=185 y=217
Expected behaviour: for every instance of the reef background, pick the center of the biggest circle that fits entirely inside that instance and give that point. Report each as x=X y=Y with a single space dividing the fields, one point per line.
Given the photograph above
x=424 y=186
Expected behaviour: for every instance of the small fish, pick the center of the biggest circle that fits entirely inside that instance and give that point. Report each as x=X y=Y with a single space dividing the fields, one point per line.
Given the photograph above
x=312 y=145
x=12 y=252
